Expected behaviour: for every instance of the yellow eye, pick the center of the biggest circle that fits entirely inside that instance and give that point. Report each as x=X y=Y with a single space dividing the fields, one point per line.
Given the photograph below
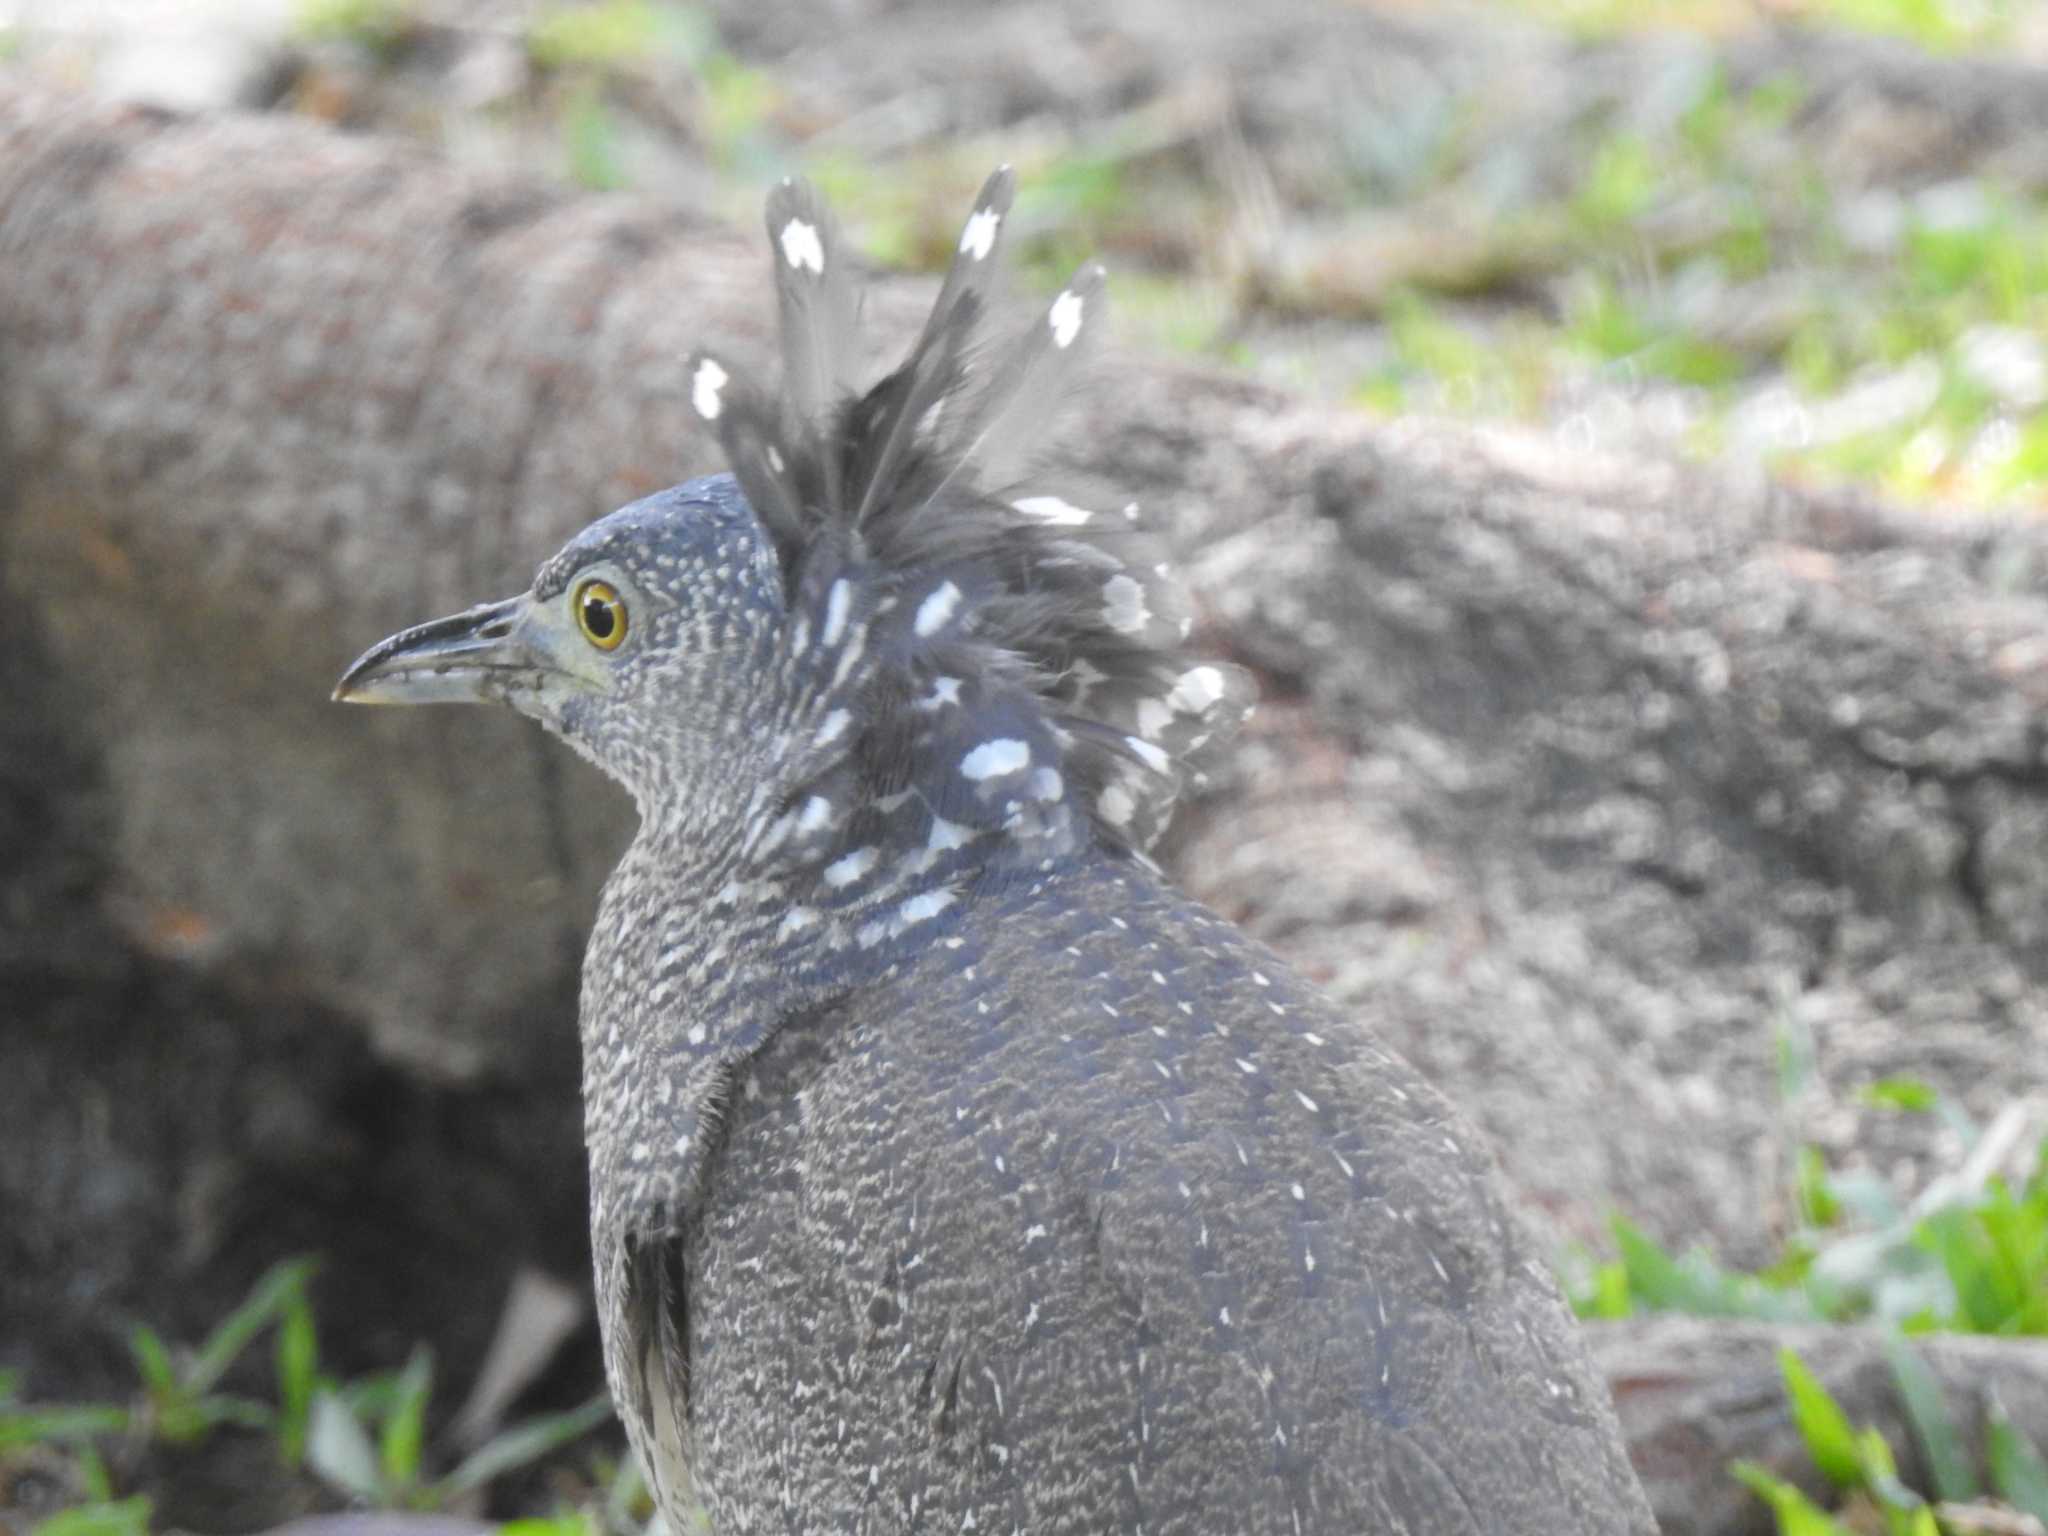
x=601 y=615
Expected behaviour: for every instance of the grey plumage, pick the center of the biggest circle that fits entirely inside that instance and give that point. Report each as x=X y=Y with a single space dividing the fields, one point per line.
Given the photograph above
x=949 y=1170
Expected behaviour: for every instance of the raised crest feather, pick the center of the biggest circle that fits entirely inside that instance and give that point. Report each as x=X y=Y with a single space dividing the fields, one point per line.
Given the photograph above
x=1001 y=645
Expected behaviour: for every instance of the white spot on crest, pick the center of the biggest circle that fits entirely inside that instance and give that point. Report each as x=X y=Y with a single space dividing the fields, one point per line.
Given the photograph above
x=795 y=920
x=934 y=611
x=1116 y=805
x=1051 y=509
x=837 y=606
x=1153 y=717
x=1086 y=675
x=704 y=389
x=850 y=654
x=926 y=905
x=1123 y=605
x=1065 y=318
x=945 y=690
x=844 y=871
x=801 y=247
x=1046 y=784
x=1153 y=756
x=979 y=237
x=1307 y=1103
x=834 y=727
x=1197 y=690
x=817 y=813
x=947 y=835
x=993 y=759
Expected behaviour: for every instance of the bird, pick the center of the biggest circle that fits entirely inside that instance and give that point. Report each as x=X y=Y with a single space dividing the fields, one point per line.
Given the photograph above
x=950 y=1169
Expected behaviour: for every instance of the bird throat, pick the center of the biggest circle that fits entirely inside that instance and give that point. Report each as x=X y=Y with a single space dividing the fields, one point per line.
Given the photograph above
x=702 y=952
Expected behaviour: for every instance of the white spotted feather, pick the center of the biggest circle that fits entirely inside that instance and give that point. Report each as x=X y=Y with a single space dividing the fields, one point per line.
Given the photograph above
x=977 y=647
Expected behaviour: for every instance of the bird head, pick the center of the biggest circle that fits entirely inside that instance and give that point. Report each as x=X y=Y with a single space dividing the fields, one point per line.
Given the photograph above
x=644 y=643
x=883 y=630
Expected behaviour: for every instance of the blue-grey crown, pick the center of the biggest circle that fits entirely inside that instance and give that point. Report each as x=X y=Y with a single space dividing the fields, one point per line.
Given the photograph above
x=974 y=640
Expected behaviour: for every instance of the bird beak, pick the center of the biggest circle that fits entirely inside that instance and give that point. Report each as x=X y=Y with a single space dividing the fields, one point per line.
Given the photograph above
x=466 y=658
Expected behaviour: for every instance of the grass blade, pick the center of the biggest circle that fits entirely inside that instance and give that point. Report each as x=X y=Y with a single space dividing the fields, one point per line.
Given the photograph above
x=129 y=1517
x=298 y=1363
x=1796 y=1514
x=22 y=1427
x=1830 y=1439
x=153 y=1363
x=1948 y=1464
x=525 y=1443
x=2017 y=1470
x=267 y=1299
x=405 y=1430
x=339 y=1451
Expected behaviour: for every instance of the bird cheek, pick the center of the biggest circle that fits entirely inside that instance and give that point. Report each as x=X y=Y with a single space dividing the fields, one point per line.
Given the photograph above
x=572 y=712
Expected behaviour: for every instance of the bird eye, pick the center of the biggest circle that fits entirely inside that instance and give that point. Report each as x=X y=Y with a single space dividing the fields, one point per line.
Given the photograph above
x=601 y=615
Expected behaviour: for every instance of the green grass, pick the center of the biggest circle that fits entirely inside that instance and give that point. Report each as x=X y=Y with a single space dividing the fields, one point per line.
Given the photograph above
x=379 y=26
x=366 y=1439
x=1863 y=1470
x=1973 y=1263
x=1940 y=26
x=739 y=104
x=180 y=1402
x=1648 y=268
x=616 y=36
x=585 y=54
x=99 y=1513
x=590 y=139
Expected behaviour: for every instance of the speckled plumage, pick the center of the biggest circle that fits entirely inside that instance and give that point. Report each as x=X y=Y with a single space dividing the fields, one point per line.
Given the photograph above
x=949 y=1170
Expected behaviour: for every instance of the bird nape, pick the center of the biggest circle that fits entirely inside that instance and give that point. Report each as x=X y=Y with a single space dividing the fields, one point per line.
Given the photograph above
x=949 y=1170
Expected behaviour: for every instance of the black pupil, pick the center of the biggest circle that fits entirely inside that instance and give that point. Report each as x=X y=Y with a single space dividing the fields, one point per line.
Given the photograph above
x=598 y=617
